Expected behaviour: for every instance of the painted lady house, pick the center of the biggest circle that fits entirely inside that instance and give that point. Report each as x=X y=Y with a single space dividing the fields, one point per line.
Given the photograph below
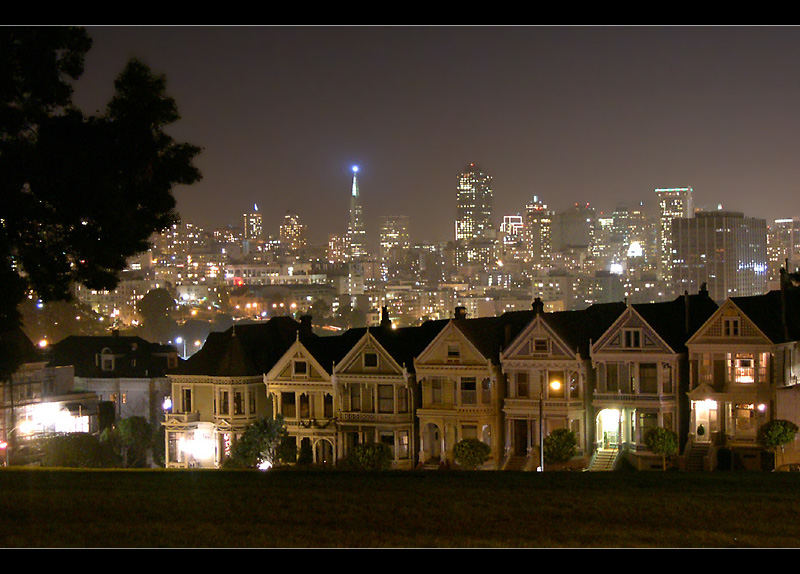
x=301 y=390
x=461 y=389
x=549 y=380
x=219 y=391
x=376 y=389
x=743 y=365
x=642 y=378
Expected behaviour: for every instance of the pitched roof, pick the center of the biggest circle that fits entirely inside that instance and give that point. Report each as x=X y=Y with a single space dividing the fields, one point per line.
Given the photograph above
x=677 y=320
x=134 y=357
x=242 y=350
x=17 y=344
x=576 y=328
x=776 y=313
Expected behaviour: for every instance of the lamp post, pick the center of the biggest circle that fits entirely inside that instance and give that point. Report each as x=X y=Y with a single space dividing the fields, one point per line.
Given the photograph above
x=555 y=385
x=180 y=340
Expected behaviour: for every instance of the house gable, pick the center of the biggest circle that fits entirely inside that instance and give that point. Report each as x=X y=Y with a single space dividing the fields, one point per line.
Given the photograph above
x=538 y=341
x=630 y=332
x=451 y=346
x=368 y=357
x=297 y=364
x=728 y=324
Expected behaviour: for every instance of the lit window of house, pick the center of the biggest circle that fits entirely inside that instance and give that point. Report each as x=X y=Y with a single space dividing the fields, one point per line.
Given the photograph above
x=744 y=369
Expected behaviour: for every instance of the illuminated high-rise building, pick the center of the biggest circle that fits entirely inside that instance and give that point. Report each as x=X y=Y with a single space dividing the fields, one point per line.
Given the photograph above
x=393 y=240
x=474 y=204
x=292 y=232
x=337 y=249
x=474 y=229
x=673 y=202
x=253 y=225
x=512 y=228
x=783 y=246
x=393 y=234
x=537 y=230
x=723 y=249
x=356 y=233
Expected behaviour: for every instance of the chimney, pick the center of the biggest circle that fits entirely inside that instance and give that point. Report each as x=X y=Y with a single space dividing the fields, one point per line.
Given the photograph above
x=538 y=306
x=386 y=323
x=461 y=312
x=507 y=337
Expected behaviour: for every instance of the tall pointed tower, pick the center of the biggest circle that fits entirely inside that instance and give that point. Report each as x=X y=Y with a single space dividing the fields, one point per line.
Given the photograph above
x=356 y=235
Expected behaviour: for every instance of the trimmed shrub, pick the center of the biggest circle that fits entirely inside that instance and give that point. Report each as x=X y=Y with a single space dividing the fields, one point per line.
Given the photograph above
x=560 y=446
x=471 y=453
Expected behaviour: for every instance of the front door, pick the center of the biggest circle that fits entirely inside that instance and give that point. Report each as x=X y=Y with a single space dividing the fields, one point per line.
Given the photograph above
x=520 y=438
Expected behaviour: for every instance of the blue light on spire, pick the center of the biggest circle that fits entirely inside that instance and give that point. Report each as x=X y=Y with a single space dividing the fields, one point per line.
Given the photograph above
x=355 y=169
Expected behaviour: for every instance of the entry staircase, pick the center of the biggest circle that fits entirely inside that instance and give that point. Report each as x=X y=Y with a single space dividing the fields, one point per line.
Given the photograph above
x=604 y=459
x=516 y=462
x=695 y=457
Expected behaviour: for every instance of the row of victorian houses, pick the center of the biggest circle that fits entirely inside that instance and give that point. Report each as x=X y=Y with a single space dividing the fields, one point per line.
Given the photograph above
x=711 y=373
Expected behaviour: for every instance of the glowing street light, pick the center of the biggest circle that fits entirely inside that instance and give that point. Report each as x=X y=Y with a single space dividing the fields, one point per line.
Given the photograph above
x=180 y=340
x=555 y=386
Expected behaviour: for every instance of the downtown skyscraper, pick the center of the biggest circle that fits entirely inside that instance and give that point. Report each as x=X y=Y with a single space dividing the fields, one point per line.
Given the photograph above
x=673 y=202
x=723 y=249
x=356 y=233
x=474 y=229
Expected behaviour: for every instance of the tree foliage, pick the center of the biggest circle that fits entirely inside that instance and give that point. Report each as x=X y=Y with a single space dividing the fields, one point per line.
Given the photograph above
x=76 y=450
x=560 y=445
x=777 y=433
x=133 y=439
x=369 y=456
x=471 y=453
x=79 y=194
x=259 y=444
x=661 y=441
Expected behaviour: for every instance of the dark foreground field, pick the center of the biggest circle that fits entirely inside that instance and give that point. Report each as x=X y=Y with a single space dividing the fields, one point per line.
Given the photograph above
x=327 y=509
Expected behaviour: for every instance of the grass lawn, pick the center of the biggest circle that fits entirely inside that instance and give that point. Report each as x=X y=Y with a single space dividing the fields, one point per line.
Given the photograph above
x=43 y=508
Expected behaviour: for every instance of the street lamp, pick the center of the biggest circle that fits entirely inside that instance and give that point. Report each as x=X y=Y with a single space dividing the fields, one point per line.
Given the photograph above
x=180 y=340
x=554 y=385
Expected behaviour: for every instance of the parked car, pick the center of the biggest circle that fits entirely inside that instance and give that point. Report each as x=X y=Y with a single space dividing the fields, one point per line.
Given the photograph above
x=791 y=467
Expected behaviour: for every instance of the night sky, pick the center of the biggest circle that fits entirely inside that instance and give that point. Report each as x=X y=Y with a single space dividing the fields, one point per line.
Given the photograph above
x=572 y=114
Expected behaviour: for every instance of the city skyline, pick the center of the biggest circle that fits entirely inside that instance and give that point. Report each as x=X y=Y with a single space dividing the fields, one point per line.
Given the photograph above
x=602 y=115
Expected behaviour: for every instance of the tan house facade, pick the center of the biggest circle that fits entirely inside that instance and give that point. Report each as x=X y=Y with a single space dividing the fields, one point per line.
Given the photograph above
x=642 y=376
x=461 y=391
x=743 y=365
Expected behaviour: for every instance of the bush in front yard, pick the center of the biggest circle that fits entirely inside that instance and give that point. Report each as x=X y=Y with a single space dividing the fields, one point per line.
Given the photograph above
x=471 y=453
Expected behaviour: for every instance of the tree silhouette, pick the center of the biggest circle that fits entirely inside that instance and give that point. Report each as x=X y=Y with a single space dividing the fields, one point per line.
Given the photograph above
x=79 y=194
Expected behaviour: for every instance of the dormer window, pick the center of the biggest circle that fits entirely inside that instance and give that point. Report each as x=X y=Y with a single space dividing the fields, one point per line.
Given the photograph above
x=539 y=346
x=632 y=338
x=453 y=352
x=301 y=368
x=106 y=360
x=370 y=360
x=730 y=326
